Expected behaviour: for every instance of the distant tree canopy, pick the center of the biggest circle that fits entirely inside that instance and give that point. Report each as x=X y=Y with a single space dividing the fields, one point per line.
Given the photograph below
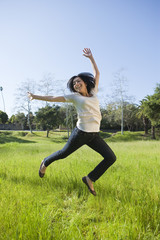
x=150 y=109
x=135 y=117
x=111 y=117
x=48 y=118
x=46 y=86
x=3 y=117
x=19 y=118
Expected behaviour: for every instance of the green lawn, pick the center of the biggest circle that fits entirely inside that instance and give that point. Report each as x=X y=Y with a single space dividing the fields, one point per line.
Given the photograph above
x=60 y=207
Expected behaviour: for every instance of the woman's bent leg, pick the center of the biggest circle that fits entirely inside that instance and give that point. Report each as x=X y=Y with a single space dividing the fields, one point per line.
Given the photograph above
x=74 y=142
x=100 y=146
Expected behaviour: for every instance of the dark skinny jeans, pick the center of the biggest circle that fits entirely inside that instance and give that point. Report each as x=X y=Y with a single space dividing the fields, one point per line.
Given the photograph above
x=79 y=138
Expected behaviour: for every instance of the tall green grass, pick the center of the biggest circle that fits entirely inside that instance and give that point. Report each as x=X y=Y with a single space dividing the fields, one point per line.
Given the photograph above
x=59 y=206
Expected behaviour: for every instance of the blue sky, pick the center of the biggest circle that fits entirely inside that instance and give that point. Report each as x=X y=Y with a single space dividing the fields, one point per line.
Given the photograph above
x=47 y=36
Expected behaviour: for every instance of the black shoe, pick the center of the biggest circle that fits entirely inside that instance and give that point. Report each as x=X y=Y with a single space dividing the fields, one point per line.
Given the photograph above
x=84 y=179
x=40 y=173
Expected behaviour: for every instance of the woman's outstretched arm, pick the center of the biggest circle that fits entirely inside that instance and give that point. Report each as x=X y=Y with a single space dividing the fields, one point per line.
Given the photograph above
x=31 y=96
x=88 y=53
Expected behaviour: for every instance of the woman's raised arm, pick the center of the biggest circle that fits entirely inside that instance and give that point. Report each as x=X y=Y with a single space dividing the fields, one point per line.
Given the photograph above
x=88 y=53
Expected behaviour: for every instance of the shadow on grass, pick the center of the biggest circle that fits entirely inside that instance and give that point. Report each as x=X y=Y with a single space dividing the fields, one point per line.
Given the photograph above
x=8 y=139
x=126 y=137
x=59 y=140
x=105 y=134
x=56 y=138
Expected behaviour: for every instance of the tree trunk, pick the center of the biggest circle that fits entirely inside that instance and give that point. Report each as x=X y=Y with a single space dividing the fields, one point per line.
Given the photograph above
x=122 y=124
x=47 y=133
x=153 y=136
x=29 y=124
x=67 y=116
x=145 y=122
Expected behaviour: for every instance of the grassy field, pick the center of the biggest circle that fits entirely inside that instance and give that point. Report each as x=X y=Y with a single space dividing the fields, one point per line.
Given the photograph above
x=59 y=206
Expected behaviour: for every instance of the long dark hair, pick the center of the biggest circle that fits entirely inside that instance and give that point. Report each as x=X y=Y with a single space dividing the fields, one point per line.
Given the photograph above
x=87 y=78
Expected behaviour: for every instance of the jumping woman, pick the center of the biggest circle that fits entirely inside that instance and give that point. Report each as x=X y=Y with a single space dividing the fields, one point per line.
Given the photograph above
x=84 y=87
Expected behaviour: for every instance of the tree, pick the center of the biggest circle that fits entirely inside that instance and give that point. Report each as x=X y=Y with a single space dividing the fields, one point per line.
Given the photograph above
x=49 y=86
x=3 y=117
x=142 y=115
x=151 y=108
x=22 y=101
x=131 y=121
x=71 y=117
x=18 y=118
x=110 y=117
x=48 y=117
x=119 y=93
x=31 y=120
x=46 y=86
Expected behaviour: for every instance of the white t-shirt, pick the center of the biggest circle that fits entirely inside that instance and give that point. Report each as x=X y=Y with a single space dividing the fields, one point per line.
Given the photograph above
x=89 y=115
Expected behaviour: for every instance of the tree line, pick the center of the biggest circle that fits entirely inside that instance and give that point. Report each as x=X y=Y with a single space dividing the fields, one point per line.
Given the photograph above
x=120 y=111
x=46 y=118
x=135 y=117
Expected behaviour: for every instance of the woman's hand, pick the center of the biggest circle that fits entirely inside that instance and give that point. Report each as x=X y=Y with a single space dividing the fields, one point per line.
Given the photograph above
x=30 y=96
x=87 y=52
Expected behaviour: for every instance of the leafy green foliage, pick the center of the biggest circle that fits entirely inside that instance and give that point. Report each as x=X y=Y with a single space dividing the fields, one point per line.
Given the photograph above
x=151 y=107
x=48 y=117
x=111 y=117
x=3 y=117
x=19 y=118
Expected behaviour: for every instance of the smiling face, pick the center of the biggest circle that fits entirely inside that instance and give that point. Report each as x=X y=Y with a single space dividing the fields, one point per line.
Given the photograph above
x=79 y=86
